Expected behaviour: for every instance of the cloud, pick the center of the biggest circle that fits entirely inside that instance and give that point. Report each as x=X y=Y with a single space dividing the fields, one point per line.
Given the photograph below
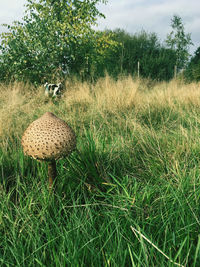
x=130 y=15
x=152 y=16
x=10 y=11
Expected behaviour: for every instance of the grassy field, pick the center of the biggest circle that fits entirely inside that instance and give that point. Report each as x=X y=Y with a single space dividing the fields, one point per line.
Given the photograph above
x=128 y=196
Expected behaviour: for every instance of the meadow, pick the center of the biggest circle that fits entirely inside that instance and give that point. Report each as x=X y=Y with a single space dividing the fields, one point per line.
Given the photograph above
x=129 y=195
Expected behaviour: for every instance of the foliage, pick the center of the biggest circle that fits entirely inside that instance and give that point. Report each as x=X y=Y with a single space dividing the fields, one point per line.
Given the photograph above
x=192 y=72
x=156 y=61
x=55 y=37
x=92 y=58
x=179 y=41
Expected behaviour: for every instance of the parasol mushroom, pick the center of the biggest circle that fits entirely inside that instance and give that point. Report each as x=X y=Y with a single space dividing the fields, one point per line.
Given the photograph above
x=48 y=139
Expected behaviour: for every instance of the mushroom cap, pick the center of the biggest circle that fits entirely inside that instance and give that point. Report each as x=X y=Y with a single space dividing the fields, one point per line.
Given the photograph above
x=48 y=138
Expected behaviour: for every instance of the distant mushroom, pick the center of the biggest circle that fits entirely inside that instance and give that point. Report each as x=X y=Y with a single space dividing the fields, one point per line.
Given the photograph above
x=48 y=139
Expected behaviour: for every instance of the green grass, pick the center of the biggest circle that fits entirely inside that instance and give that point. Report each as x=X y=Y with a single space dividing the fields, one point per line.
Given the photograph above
x=128 y=196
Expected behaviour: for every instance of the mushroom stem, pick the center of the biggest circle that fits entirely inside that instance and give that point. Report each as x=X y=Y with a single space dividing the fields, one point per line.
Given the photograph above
x=51 y=172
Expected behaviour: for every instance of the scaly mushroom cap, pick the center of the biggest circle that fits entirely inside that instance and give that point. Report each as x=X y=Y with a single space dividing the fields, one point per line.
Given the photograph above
x=48 y=138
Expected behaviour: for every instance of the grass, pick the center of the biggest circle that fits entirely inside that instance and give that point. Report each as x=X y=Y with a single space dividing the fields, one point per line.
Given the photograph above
x=128 y=196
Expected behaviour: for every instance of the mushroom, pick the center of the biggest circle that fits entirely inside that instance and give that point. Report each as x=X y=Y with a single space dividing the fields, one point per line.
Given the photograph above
x=48 y=139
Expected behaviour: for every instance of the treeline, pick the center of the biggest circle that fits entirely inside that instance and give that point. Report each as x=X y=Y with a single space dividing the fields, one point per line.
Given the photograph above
x=139 y=54
x=55 y=40
x=192 y=72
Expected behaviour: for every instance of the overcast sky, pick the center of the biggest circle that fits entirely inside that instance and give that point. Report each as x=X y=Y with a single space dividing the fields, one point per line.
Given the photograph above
x=131 y=15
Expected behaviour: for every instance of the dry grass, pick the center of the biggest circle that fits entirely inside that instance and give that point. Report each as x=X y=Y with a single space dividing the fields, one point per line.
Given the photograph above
x=20 y=103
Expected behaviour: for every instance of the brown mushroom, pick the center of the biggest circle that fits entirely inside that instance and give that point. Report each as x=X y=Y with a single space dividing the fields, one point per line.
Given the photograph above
x=48 y=139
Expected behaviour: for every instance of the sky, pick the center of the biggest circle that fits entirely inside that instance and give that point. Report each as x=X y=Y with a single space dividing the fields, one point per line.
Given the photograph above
x=131 y=15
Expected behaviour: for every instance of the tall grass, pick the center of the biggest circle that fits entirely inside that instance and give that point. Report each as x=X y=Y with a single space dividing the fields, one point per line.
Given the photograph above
x=128 y=196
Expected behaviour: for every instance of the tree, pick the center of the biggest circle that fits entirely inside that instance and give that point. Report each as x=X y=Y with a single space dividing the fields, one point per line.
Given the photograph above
x=156 y=61
x=54 y=37
x=192 y=72
x=179 y=41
